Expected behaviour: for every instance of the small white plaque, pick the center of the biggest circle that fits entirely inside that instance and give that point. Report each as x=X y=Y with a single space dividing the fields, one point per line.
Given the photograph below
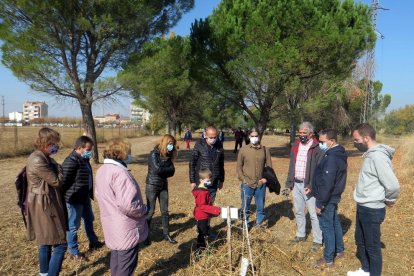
x=234 y=213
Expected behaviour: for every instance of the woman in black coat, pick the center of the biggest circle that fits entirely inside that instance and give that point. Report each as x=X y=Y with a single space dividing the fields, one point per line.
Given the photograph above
x=160 y=167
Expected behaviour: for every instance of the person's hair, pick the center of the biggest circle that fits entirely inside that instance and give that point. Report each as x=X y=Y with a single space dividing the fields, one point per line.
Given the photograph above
x=162 y=145
x=205 y=173
x=211 y=128
x=366 y=129
x=82 y=141
x=117 y=149
x=46 y=137
x=331 y=134
x=307 y=125
x=252 y=130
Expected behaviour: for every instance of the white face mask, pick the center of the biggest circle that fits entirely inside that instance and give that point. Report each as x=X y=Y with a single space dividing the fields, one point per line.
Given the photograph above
x=254 y=140
x=211 y=141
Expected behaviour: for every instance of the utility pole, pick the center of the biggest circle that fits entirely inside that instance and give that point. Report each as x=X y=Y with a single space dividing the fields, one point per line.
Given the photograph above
x=369 y=66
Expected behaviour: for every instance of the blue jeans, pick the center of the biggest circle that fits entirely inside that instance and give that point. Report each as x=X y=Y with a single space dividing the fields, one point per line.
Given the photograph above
x=330 y=225
x=75 y=213
x=51 y=263
x=368 y=238
x=247 y=194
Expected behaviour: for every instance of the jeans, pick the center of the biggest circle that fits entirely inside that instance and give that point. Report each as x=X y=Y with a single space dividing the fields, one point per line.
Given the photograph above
x=300 y=201
x=331 y=231
x=51 y=263
x=368 y=238
x=75 y=213
x=247 y=194
x=124 y=262
x=153 y=192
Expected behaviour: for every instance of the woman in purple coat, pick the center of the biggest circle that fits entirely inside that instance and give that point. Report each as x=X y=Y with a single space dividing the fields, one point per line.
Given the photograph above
x=121 y=207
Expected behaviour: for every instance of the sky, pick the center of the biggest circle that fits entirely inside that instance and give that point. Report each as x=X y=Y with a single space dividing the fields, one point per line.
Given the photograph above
x=394 y=62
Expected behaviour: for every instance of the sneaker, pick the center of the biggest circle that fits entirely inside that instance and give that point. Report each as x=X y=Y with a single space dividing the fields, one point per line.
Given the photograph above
x=316 y=246
x=340 y=255
x=95 y=245
x=79 y=257
x=322 y=262
x=297 y=240
x=359 y=272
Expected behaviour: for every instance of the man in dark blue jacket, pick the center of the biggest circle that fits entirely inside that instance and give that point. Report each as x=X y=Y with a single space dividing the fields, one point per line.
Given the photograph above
x=78 y=192
x=327 y=187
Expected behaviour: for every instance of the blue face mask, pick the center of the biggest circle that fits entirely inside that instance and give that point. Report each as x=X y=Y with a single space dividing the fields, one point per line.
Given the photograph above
x=323 y=146
x=170 y=147
x=207 y=184
x=87 y=154
x=54 y=149
x=128 y=160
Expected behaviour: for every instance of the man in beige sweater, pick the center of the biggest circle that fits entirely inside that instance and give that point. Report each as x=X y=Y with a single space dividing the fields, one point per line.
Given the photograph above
x=250 y=163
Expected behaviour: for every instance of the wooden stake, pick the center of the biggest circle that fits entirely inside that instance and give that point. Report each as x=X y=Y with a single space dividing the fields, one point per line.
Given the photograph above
x=229 y=237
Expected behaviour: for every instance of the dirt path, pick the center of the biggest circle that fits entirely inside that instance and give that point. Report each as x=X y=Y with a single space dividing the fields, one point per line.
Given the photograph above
x=19 y=257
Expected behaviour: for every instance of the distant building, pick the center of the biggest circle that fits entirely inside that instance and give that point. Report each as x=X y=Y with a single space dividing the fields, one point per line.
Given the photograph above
x=139 y=115
x=34 y=110
x=108 y=118
x=16 y=116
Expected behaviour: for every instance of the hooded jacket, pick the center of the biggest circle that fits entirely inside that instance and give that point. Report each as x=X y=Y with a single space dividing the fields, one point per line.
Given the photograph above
x=203 y=208
x=330 y=177
x=377 y=182
x=159 y=169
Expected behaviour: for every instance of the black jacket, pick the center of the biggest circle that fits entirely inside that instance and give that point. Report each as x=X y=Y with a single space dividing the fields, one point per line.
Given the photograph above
x=330 y=177
x=159 y=169
x=76 y=173
x=203 y=156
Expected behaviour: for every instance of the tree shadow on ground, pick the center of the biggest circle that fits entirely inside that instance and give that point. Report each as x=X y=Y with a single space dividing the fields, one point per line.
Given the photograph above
x=102 y=260
x=277 y=210
x=345 y=223
x=156 y=234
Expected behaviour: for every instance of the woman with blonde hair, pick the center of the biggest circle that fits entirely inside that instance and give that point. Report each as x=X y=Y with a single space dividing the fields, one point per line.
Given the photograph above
x=46 y=212
x=121 y=207
x=160 y=167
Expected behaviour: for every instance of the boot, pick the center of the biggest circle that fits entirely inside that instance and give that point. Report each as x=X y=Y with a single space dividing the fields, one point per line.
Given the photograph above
x=147 y=241
x=168 y=238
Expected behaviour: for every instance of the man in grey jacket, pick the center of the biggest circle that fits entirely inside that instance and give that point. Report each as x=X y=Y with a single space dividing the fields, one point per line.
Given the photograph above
x=377 y=187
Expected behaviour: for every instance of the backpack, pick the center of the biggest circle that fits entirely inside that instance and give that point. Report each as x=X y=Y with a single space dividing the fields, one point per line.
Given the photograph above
x=21 y=189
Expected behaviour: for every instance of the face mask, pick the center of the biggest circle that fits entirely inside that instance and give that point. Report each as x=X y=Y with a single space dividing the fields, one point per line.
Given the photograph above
x=54 y=149
x=361 y=146
x=207 y=183
x=128 y=160
x=87 y=154
x=170 y=147
x=254 y=140
x=303 y=139
x=211 y=141
x=323 y=146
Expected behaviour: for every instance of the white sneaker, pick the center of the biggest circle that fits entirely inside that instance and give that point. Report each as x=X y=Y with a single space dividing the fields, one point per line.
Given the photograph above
x=358 y=272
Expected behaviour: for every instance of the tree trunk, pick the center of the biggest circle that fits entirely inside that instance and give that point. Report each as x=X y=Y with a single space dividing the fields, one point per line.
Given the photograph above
x=89 y=126
x=292 y=131
x=172 y=126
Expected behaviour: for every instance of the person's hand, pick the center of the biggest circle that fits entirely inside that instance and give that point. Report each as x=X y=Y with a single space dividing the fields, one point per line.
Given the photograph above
x=220 y=185
x=193 y=185
x=318 y=211
x=263 y=180
x=389 y=204
x=286 y=191
x=307 y=191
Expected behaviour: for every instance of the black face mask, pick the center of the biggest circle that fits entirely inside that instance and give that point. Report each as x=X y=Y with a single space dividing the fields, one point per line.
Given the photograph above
x=361 y=146
x=303 y=139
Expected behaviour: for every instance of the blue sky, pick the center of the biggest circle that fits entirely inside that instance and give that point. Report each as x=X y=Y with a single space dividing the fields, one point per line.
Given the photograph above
x=394 y=61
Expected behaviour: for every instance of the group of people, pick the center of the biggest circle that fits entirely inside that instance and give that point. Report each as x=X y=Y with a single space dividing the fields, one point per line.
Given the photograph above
x=60 y=196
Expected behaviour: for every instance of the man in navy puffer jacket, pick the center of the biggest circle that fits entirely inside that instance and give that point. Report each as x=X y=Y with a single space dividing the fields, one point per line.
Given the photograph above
x=328 y=186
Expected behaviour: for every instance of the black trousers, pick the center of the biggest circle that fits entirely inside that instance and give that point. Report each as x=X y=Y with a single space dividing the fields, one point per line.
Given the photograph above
x=161 y=193
x=202 y=228
x=124 y=262
x=238 y=143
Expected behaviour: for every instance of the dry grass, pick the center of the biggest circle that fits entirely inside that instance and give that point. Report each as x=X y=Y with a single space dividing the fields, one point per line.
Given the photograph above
x=18 y=141
x=272 y=253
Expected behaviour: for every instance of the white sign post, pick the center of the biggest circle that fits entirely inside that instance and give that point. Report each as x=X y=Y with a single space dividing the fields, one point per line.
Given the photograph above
x=229 y=214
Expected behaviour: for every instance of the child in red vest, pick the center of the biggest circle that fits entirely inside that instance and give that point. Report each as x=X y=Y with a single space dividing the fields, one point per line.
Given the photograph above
x=203 y=209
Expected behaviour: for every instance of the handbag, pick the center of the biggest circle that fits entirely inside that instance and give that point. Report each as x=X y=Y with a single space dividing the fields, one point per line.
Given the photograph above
x=269 y=174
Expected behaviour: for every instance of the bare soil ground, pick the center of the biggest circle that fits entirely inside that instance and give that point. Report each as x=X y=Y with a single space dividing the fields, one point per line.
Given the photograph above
x=272 y=253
